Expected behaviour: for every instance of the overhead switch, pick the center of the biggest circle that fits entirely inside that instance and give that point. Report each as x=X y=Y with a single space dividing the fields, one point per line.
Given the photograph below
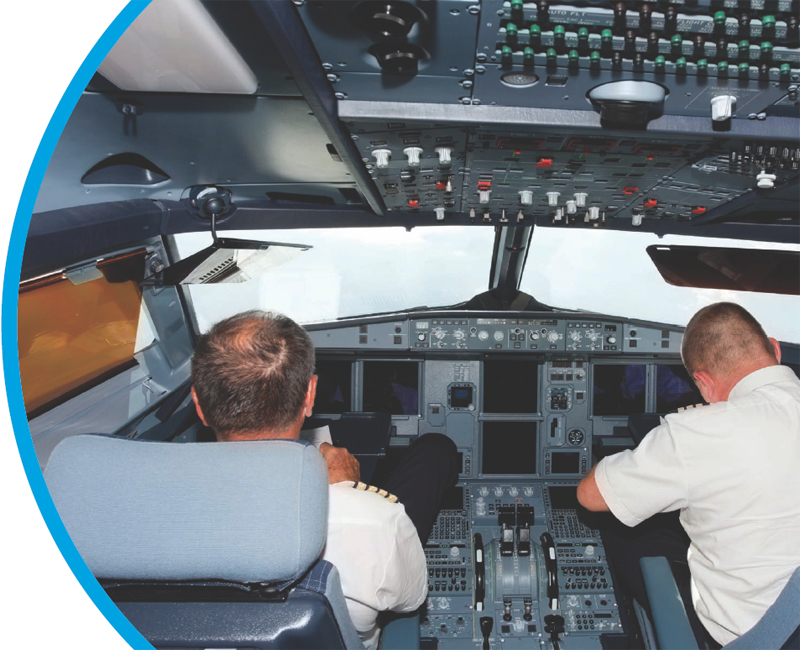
x=444 y=155
x=484 y=196
x=580 y=199
x=439 y=213
x=381 y=158
x=552 y=198
x=413 y=154
x=594 y=213
x=572 y=208
x=722 y=107
x=526 y=197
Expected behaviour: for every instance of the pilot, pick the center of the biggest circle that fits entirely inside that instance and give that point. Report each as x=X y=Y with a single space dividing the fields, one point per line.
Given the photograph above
x=253 y=378
x=731 y=470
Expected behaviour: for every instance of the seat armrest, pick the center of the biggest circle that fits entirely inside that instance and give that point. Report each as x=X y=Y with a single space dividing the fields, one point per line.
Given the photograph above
x=401 y=632
x=671 y=624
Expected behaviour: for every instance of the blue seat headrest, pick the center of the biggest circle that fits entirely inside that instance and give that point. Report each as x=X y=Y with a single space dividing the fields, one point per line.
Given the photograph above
x=250 y=511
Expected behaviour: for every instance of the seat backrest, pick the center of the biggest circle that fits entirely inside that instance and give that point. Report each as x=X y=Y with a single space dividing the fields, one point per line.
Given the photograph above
x=205 y=541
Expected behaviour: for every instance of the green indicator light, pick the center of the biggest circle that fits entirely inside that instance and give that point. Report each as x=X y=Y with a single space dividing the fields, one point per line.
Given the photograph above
x=594 y=57
x=702 y=65
x=660 y=61
x=507 y=52
x=722 y=67
x=720 y=18
x=511 y=30
x=516 y=5
x=744 y=48
x=676 y=40
x=527 y=54
x=535 y=31
x=583 y=34
x=680 y=63
x=551 y=54
x=766 y=47
x=606 y=36
x=768 y=22
x=744 y=69
x=786 y=69
x=559 y=31
x=573 y=56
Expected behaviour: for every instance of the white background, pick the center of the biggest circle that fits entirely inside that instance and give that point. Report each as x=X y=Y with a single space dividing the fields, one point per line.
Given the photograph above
x=43 y=45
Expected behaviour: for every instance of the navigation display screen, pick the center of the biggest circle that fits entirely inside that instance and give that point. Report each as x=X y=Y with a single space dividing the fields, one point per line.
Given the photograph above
x=618 y=389
x=391 y=387
x=510 y=386
x=675 y=389
x=509 y=447
x=333 y=386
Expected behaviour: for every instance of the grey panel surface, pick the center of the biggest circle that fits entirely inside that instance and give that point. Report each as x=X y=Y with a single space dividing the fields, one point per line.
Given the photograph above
x=461 y=429
x=195 y=140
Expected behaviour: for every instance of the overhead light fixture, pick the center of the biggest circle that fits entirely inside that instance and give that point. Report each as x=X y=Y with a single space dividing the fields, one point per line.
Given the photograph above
x=175 y=46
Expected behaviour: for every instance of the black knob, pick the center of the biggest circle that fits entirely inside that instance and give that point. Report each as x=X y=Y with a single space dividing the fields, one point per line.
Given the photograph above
x=391 y=19
x=507 y=618
x=486 y=622
x=527 y=616
x=397 y=57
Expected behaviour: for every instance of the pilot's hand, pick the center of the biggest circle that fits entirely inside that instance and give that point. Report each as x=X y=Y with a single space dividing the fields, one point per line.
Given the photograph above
x=342 y=465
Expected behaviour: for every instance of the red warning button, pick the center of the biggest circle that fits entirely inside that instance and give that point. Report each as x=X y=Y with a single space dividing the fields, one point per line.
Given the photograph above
x=650 y=203
x=413 y=203
x=545 y=162
x=630 y=190
x=699 y=209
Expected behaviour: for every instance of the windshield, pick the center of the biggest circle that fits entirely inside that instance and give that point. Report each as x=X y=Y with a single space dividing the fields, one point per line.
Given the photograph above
x=352 y=272
x=610 y=272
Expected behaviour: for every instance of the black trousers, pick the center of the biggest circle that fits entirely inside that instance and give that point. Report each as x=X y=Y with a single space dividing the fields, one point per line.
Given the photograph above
x=420 y=477
x=661 y=535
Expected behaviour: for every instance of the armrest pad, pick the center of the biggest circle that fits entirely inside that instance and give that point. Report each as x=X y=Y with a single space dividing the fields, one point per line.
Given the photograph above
x=401 y=633
x=670 y=621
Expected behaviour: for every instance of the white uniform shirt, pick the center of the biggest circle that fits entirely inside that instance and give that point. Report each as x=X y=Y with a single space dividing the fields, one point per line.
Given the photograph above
x=732 y=470
x=377 y=551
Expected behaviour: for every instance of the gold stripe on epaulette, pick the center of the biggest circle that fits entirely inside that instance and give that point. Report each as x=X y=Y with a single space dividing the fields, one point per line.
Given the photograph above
x=691 y=406
x=391 y=498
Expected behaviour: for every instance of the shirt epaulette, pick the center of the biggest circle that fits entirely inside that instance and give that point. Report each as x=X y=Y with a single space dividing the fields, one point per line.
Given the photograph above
x=691 y=406
x=391 y=498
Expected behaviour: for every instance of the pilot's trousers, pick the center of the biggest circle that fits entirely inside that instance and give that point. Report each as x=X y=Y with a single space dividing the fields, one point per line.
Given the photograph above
x=422 y=475
x=660 y=535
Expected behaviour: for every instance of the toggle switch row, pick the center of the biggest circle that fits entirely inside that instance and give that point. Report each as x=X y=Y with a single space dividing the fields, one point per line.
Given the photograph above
x=412 y=154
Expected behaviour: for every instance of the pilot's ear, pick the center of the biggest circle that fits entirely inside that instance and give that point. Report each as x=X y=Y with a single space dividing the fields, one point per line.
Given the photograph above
x=197 y=407
x=311 y=395
x=777 y=347
x=706 y=385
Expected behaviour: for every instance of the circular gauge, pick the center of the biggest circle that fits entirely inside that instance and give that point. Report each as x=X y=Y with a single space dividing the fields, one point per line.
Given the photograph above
x=575 y=437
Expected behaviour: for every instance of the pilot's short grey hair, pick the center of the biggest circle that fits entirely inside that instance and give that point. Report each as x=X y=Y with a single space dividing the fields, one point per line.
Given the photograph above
x=251 y=373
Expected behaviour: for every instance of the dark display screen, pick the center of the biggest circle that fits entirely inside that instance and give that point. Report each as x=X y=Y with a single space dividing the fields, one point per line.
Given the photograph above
x=333 y=386
x=565 y=462
x=460 y=396
x=618 y=389
x=509 y=448
x=453 y=499
x=563 y=497
x=675 y=389
x=510 y=386
x=391 y=387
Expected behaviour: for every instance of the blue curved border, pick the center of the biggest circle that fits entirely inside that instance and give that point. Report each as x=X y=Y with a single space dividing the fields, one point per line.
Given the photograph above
x=16 y=247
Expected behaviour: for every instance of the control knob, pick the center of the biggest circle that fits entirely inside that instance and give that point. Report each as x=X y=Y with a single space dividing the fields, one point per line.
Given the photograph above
x=534 y=335
x=592 y=335
x=438 y=332
x=498 y=491
x=513 y=491
x=421 y=336
x=459 y=335
x=552 y=336
x=499 y=336
x=611 y=340
x=528 y=491
x=484 y=491
x=483 y=335
x=575 y=335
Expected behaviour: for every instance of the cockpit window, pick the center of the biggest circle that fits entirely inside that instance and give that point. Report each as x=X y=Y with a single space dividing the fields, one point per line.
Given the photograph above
x=352 y=272
x=610 y=272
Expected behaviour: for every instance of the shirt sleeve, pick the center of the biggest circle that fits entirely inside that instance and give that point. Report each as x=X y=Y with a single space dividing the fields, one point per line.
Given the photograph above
x=405 y=582
x=638 y=483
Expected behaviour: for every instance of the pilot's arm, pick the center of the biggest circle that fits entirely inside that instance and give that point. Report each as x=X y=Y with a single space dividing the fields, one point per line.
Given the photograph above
x=589 y=494
x=639 y=483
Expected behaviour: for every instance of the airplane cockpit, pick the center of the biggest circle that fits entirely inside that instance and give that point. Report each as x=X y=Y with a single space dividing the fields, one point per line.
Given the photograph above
x=494 y=218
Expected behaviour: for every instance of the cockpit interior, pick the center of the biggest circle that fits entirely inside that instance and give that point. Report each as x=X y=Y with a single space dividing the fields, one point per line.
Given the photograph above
x=493 y=217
